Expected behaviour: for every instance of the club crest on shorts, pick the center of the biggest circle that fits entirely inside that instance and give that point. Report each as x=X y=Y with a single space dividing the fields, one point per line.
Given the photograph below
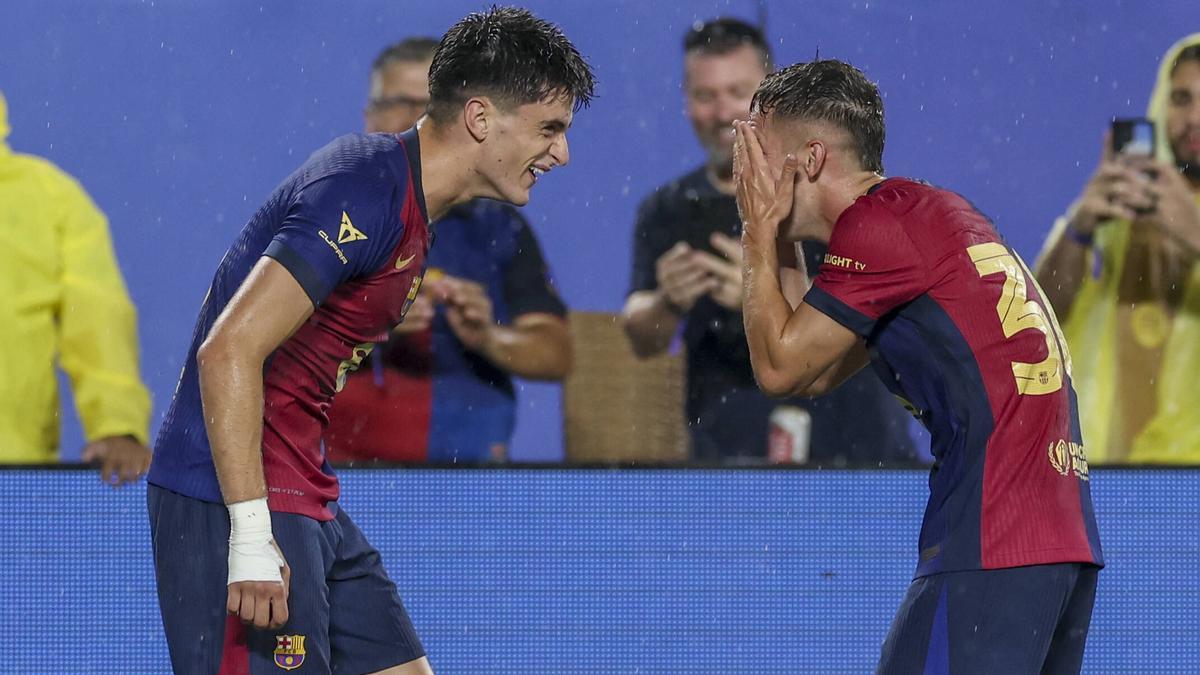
x=289 y=651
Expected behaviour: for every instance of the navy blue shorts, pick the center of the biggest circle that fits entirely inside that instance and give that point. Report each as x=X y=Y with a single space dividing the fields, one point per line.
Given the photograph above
x=344 y=613
x=1015 y=621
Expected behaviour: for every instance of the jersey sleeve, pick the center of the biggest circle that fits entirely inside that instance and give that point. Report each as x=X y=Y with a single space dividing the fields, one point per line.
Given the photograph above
x=528 y=287
x=871 y=268
x=337 y=228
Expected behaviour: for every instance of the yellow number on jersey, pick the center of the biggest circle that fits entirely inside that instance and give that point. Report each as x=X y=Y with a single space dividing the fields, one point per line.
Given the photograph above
x=351 y=364
x=1017 y=313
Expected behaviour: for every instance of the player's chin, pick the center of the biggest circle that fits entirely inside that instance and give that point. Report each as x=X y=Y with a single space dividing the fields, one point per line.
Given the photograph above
x=509 y=193
x=519 y=195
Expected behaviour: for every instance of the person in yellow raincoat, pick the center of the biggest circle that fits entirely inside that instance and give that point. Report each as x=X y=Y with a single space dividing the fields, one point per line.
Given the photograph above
x=1120 y=267
x=62 y=300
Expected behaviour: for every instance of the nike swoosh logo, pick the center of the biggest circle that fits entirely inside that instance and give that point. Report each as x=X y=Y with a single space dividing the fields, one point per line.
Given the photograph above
x=403 y=264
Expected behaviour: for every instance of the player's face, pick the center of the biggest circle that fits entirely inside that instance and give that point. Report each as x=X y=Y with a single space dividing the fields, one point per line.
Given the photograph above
x=1183 y=113
x=523 y=144
x=719 y=88
x=778 y=139
x=399 y=95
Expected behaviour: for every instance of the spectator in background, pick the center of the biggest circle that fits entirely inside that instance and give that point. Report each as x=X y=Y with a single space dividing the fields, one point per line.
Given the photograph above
x=687 y=270
x=441 y=389
x=62 y=297
x=1120 y=267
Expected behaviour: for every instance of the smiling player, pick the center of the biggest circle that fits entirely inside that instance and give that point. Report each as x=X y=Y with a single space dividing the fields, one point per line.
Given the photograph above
x=241 y=498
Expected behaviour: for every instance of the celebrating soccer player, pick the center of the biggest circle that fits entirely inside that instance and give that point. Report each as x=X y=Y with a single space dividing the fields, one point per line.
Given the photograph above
x=920 y=283
x=241 y=499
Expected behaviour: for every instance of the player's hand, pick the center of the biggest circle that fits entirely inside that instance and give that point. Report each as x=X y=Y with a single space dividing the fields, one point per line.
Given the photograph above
x=681 y=278
x=420 y=314
x=764 y=199
x=122 y=459
x=469 y=312
x=726 y=271
x=1119 y=189
x=263 y=604
x=1175 y=207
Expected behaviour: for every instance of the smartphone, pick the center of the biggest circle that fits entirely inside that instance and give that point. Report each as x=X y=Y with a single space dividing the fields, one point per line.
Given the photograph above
x=707 y=214
x=1133 y=137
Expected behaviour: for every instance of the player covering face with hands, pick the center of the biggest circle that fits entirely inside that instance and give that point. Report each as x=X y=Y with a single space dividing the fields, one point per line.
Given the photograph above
x=919 y=282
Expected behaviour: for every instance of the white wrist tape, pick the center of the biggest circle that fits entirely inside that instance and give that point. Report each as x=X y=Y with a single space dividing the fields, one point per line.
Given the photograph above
x=252 y=552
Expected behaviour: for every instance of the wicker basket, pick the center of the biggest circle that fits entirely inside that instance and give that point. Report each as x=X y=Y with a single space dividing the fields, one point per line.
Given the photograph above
x=616 y=407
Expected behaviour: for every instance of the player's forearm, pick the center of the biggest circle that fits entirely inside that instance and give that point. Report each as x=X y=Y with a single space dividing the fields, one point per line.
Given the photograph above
x=649 y=322
x=231 y=390
x=838 y=372
x=1061 y=271
x=794 y=282
x=793 y=273
x=765 y=312
x=537 y=352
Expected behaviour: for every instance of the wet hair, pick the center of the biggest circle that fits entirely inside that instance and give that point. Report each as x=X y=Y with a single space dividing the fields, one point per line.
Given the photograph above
x=828 y=91
x=1189 y=53
x=509 y=55
x=724 y=35
x=409 y=50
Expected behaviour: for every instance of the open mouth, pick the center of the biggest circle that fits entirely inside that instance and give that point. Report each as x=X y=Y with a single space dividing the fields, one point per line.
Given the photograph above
x=536 y=172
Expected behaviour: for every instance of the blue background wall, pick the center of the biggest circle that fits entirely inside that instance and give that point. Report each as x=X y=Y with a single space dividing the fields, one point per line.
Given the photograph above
x=646 y=571
x=179 y=118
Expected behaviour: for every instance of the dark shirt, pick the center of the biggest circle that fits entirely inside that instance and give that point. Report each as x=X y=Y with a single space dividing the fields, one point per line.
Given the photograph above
x=726 y=412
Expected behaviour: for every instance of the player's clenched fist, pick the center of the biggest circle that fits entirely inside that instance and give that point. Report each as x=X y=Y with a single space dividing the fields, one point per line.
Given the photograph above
x=258 y=575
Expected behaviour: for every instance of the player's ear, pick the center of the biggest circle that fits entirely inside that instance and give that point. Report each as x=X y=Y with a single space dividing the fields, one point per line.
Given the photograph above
x=813 y=158
x=477 y=115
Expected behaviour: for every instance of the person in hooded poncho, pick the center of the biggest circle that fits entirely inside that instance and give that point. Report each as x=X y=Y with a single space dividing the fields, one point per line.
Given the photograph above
x=62 y=301
x=1120 y=268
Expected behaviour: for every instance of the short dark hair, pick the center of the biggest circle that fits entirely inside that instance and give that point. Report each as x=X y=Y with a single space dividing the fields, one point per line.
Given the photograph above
x=1188 y=53
x=828 y=91
x=723 y=35
x=511 y=55
x=409 y=50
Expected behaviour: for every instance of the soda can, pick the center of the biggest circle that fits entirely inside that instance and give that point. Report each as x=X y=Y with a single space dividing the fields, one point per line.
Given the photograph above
x=789 y=431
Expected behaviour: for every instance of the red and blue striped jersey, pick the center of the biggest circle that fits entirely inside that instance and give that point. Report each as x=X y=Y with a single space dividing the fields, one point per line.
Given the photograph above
x=351 y=226
x=957 y=326
x=426 y=397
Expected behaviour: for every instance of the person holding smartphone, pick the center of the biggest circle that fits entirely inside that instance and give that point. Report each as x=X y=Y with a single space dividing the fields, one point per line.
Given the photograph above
x=686 y=279
x=1120 y=269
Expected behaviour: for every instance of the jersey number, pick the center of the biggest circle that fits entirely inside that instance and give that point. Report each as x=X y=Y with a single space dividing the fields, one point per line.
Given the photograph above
x=1017 y=313
x=351 y=364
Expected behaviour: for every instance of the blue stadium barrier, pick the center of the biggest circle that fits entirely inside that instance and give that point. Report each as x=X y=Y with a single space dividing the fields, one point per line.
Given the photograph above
x=602 y=571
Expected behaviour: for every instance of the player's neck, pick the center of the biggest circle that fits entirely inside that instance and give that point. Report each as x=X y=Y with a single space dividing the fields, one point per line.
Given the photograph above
x=445 y=177
x=844 y=191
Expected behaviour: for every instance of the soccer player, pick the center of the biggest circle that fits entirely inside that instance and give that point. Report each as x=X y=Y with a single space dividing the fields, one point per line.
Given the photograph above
x=954 y=323
x=241 y=499
x=441 y=388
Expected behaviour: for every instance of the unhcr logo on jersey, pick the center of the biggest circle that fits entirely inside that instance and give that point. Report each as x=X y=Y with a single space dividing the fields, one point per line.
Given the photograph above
x=1067 y=458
